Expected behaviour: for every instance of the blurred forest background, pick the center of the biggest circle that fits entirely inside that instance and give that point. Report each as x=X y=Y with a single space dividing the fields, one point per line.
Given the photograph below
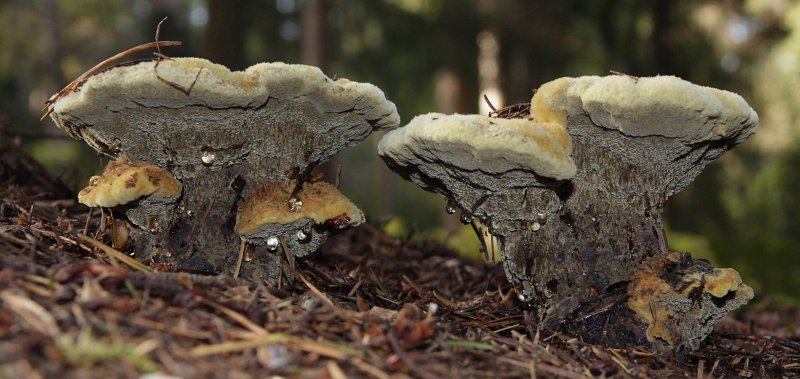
x=443 y=55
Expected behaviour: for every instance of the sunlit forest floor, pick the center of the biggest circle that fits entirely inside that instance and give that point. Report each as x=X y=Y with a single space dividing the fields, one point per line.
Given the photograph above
x=367 y=305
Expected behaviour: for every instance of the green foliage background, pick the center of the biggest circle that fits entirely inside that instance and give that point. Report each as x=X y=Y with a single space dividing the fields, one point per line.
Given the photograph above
x=742 y=211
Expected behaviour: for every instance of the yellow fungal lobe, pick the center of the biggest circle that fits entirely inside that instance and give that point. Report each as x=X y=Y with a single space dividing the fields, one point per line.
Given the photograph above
x=321 y=202
x=123 y=182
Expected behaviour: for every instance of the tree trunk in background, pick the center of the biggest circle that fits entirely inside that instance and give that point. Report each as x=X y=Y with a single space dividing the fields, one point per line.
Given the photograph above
x=315 y=34
x=224 y=34
x=49 y=45
x=451 y=97
x=660 y=10
x=315 y=53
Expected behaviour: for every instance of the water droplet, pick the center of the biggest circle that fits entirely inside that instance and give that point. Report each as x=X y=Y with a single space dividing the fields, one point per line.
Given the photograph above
x=248 y=255
x=551 y=288
x=521 y=297
x=485 y=219
x=466 y=218
x=238 y=183
x=154 y=227
x=541 y=217
x=208 y=157
x=302 y=235
x=535 y=226
x=273 y=243
x=450 y=207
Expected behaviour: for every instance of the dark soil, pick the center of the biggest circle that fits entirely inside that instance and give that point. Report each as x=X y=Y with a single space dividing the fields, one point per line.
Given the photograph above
x=367 y=305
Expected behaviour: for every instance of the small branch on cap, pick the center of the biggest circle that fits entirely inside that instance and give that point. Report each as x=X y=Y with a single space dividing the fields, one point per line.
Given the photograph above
x=489 y=103
x=159 y=56
x=623 y=74
x=75 y=84
x=303 y=177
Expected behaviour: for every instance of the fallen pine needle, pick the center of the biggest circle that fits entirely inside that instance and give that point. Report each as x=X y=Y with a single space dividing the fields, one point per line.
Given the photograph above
x=239 y=260
x=228 y=347
x=445 y=301
x=236 y=316
x=31 y=313
x=621 y=365
x=118 y=255
x=369 y=369
x=327 y=350
x=335 y=371
x=314 y=289
x=469 y=345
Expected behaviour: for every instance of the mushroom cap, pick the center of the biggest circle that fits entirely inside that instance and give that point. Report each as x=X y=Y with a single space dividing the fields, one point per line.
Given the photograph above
x=655 y=133
x=652 y=106
x=189 y=114
x=322 y=203
x=122 y=183
x=481 y=150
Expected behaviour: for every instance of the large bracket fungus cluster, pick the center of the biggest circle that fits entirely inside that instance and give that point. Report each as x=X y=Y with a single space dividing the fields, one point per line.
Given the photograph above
x=573 y=194
x=212 y=163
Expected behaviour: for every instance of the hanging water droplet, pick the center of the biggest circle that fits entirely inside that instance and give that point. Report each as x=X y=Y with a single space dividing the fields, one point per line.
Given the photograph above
x=466 y=218
x=248 y=255
x=208 y=157
x=551 y=288
x=535 y=226
x=273 y=243
x=485 y=220
x=541 y=216
x=450 y=207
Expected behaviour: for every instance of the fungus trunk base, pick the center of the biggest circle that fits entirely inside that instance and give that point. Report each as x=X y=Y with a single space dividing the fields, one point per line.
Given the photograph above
x=198 y=235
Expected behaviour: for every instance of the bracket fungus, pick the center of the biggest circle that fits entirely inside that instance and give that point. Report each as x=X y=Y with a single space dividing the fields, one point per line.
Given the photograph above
x=573 y=193
x=228 y=145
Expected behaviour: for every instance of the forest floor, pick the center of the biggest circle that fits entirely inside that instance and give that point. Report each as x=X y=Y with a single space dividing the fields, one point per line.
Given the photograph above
x=368 y=305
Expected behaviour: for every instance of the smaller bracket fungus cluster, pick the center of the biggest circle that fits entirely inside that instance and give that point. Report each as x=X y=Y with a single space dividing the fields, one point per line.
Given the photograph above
x=573 y=193
x=211 y=162
x=122 y=183
x=265 y=219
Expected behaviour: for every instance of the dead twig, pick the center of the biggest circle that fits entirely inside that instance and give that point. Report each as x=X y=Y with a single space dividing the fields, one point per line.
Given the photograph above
x=75 y=84
x=159 y=57
x=636 y=78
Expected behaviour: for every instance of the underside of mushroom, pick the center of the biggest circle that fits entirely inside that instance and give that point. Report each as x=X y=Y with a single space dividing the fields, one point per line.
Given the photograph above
x=580 y=242
x=227 y=139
